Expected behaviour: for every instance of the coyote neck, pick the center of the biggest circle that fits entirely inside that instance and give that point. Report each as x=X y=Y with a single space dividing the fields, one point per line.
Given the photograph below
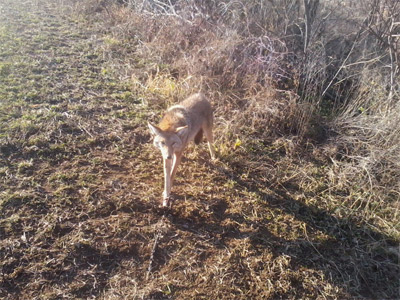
x=174 y=118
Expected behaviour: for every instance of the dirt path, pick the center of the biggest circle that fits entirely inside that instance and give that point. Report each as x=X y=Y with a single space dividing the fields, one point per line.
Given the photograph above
x=80 y=186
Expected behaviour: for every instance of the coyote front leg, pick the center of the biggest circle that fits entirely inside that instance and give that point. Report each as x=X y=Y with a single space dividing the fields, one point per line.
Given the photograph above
x=170 y=168
x=167 y=181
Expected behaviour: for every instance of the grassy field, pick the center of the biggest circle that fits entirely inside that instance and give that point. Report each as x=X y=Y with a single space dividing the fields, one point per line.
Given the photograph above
x=81 y=184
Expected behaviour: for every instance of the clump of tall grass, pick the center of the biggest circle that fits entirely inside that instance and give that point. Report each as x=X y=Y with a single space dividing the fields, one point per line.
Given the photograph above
x=369 y=137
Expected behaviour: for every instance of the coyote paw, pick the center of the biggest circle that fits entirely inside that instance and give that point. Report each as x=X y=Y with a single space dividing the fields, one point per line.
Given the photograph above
x=166 y=202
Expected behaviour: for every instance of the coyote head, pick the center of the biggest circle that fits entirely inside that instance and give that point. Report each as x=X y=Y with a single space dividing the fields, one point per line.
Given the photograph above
x=168 y=141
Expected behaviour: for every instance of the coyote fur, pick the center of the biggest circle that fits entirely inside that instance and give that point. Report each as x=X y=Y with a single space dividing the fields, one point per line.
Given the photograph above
x=181 y=124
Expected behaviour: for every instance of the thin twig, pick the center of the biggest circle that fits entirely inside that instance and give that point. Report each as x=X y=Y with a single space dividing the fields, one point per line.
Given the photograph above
x=153 y=250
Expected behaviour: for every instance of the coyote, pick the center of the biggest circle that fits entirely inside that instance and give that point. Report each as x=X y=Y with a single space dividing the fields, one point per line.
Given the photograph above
x=181 y=124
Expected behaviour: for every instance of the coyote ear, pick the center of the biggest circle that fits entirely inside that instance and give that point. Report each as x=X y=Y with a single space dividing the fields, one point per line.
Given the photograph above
x=181 y=131
x=154 y=130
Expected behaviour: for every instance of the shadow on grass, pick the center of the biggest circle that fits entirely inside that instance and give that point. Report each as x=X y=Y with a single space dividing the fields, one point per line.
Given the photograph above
x=354 y=257
x=84 y=269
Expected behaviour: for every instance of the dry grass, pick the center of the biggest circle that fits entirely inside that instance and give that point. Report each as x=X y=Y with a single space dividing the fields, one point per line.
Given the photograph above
x=302 y=204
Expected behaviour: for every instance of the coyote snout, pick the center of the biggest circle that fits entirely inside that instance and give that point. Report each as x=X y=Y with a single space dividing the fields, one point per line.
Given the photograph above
x=181 y=124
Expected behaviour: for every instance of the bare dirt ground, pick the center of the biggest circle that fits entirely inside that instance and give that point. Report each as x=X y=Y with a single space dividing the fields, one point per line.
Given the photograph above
x=80 y=185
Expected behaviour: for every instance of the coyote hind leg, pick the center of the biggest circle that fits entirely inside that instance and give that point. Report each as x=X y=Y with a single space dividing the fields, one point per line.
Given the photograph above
x=198 y=137
x=175 y=164
x=210 y=140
